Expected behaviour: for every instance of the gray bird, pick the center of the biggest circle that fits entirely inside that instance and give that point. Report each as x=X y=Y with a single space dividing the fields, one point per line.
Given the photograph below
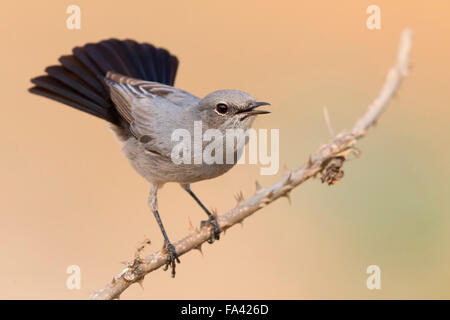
x=130 y=85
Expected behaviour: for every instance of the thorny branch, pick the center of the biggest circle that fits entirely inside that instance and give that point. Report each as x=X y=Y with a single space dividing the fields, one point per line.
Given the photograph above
x=326 y=161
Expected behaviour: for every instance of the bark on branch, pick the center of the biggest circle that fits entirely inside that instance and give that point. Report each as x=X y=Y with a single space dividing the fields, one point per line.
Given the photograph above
x=327 y=161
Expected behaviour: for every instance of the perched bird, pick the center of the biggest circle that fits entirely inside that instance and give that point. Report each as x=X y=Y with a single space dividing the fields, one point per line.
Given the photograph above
x=130 y=85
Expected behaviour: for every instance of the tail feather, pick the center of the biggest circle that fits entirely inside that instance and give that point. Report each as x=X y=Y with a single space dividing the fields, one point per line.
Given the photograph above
x=73 y=65
x=75 y=104
x=131 y=49
x=79 y=80
x=125 y=58
x=104 y=59
x=147 y=55
x=82 y=56
x=162 y=69
x=73 y=81
x=58 y=88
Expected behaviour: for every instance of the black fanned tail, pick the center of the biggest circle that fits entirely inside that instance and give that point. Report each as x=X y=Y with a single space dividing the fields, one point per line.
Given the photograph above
x=79 y=80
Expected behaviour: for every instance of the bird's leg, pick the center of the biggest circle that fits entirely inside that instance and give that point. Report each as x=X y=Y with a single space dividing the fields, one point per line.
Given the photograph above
x=215 y=234
x=172 y=256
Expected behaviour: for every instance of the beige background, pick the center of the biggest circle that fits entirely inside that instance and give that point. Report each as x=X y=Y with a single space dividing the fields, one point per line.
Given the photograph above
x=67 y=196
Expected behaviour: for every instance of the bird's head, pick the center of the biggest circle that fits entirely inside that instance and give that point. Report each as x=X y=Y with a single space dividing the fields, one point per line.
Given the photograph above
x=229 y=109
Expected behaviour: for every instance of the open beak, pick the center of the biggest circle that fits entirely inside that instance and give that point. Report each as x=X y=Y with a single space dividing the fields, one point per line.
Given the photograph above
x=250 y=110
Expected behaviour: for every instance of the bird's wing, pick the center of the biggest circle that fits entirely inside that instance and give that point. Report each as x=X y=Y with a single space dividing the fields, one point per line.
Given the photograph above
x=151 y=109
x=176 y=96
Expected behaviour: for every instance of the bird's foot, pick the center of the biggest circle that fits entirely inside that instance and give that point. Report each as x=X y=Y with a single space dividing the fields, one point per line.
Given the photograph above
x=172 y=258
x=215 y=229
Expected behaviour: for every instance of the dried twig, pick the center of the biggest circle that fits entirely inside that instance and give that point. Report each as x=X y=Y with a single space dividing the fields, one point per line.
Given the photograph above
x=327 y=161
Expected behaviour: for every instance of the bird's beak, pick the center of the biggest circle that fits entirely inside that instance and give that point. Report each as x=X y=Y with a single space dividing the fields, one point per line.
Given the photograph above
x=250 y=110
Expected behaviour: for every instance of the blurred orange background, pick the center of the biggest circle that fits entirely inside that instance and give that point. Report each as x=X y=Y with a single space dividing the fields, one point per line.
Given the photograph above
x=68 y=196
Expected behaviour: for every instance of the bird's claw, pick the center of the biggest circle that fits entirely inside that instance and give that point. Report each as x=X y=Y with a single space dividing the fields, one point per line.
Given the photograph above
x=172 y=258
x=215 y=229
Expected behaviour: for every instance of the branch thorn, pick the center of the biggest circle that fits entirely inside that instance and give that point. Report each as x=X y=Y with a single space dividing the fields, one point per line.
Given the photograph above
x=258 y=186
x=328 y=122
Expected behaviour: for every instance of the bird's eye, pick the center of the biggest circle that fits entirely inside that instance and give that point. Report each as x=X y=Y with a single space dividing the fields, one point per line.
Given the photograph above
x=222 y=108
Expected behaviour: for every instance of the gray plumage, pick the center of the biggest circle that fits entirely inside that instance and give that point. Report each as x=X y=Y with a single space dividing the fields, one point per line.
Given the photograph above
x=154 y=111
x=131 y=86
